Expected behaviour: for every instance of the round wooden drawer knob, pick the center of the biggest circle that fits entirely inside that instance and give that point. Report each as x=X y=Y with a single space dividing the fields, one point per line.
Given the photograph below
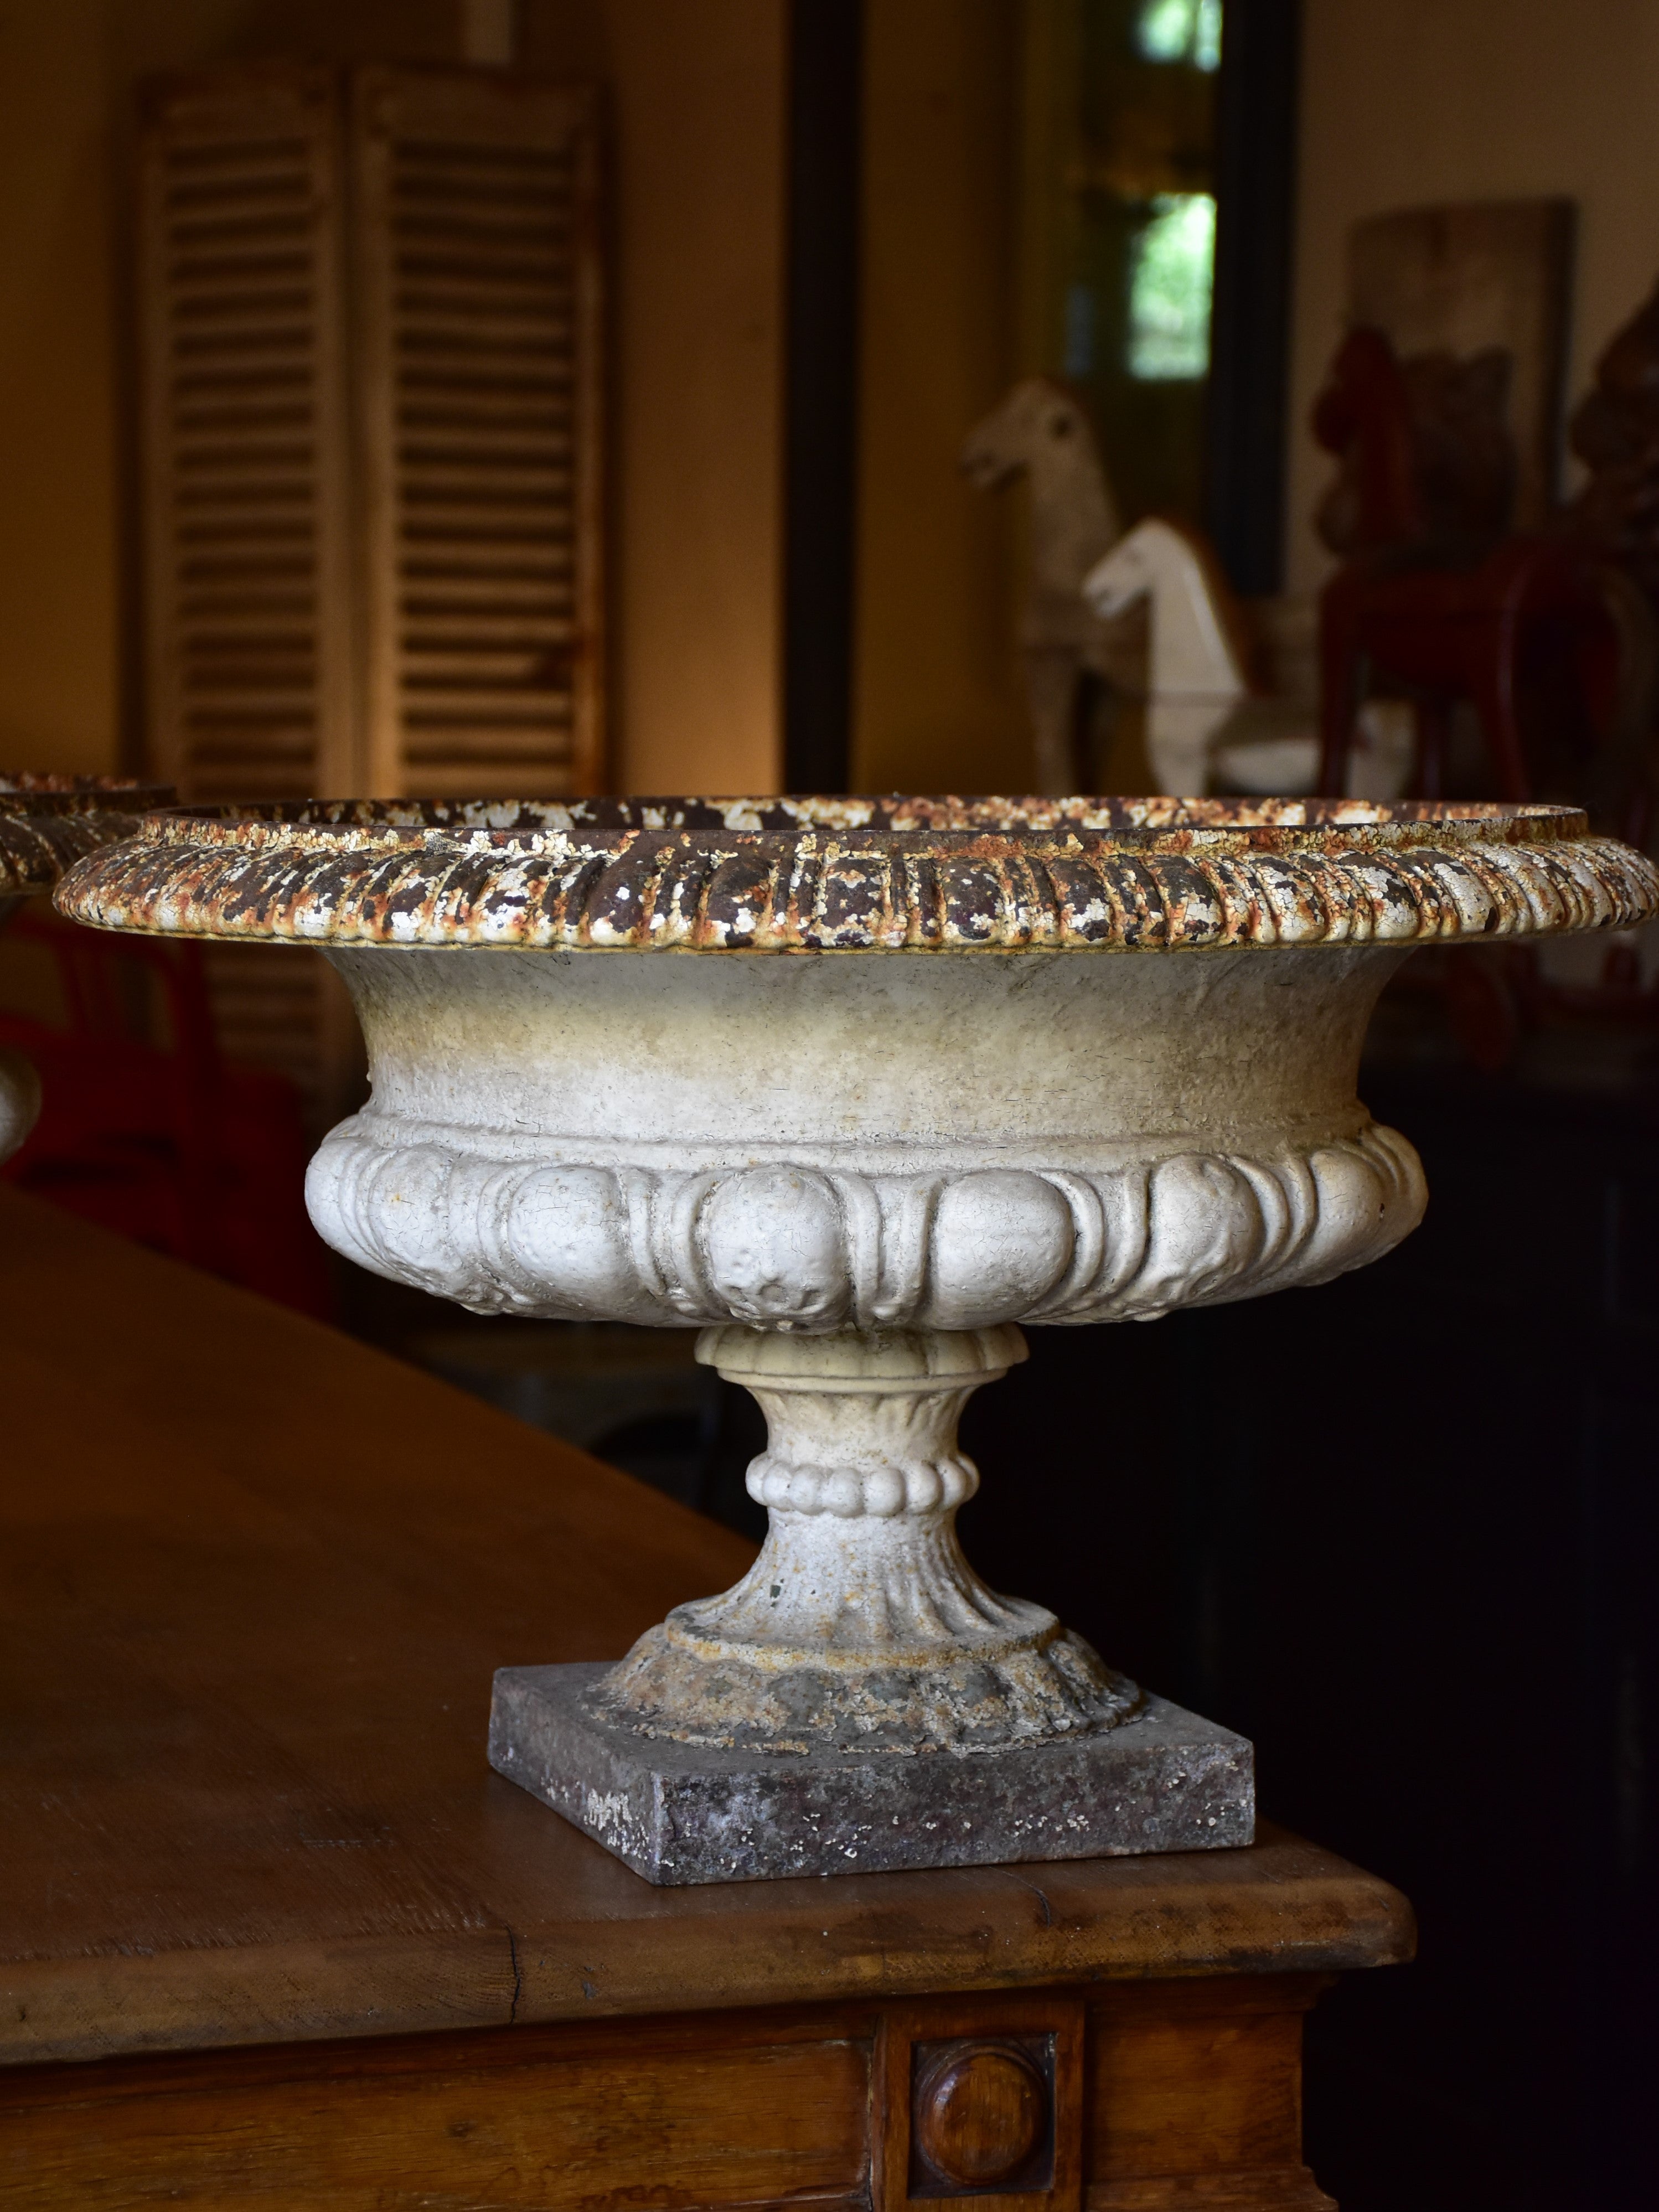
x=980 y=2113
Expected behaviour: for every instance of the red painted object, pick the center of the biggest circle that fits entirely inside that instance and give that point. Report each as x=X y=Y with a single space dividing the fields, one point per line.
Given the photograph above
x=1529 y=612
x=1434 y=601
x=167 y=1143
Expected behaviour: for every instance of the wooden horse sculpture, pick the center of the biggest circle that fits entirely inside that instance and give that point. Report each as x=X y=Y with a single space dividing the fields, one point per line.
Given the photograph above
x=1199 y=656
x=1040 y=431
x=1208 y=728
x=1433 y=596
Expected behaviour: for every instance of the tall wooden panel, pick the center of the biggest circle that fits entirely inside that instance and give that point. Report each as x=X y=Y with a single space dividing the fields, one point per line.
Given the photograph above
x=249 y=637
x=476 y=267
x=371 y=324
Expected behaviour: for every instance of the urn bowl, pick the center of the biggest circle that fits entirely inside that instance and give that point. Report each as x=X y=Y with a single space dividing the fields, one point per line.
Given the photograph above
x=825 y=1065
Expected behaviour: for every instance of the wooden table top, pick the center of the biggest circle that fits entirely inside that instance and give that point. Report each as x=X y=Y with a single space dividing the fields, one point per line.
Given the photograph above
x=254 y=1581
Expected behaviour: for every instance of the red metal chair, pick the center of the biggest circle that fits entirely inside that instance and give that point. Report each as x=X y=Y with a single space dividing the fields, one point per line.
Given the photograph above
x=148 y=1130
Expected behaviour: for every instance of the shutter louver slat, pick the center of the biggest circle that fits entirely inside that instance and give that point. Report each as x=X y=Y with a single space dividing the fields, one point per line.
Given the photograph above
x=474 y=201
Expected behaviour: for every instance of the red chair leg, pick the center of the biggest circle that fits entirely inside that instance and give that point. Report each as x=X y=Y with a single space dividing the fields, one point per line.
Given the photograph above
x=1339 y=689
x=1494 y=694
x=1433 y=723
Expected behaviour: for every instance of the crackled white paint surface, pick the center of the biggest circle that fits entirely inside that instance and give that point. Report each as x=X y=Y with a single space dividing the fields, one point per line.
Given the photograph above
x=856 y=1141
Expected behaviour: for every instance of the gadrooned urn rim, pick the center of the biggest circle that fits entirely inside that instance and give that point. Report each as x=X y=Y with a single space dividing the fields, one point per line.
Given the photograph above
x=754 y=875
x=48 y=821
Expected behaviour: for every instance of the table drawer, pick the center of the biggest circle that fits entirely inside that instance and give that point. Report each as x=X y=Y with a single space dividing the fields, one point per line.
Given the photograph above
x=1147 y=2097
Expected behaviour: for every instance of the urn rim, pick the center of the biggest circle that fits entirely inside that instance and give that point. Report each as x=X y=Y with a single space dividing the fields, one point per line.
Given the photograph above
x=49 y=820
x=893 y=873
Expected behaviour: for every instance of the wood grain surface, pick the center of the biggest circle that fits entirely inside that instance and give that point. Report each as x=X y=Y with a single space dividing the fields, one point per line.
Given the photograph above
x=771 y=2109
x=254 y=1581
x=1048 y=2027
x=1187 y=2097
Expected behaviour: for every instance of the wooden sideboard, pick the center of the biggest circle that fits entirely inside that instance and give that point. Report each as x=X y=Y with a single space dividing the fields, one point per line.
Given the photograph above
x=272 y=1934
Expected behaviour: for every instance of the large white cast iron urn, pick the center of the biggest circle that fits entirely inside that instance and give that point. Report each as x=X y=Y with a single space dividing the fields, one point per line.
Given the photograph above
x=856 y=1087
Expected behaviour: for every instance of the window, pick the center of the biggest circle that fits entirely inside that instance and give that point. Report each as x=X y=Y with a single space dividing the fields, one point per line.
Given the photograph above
x=1119 y=226
x=1169 y=280
x=1181 y=31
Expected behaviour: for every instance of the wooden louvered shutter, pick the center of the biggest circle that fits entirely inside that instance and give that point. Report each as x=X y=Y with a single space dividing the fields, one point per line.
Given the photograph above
x=370 y=325
x=476 y=310
x=252 y=651
x=249 y=637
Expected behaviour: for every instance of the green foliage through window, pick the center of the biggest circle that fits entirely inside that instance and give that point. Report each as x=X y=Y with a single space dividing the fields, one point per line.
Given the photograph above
x=1169 y=289
x=1131 y=167
x=1181 y=31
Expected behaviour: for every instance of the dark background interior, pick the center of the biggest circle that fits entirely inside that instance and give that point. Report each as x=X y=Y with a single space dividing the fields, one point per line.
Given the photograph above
x=1400 y=1530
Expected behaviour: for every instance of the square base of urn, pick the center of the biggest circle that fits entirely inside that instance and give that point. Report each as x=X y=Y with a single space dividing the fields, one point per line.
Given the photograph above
x=1163 y=1781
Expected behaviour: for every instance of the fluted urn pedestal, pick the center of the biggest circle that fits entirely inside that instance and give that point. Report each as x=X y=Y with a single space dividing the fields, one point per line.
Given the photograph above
x=857 y=1087
x=861 y=1700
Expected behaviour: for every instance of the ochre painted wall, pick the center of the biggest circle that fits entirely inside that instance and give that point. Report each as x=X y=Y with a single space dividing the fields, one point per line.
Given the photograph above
x=68 y=71
x=938 y=705
x=1415 y=101
x=699 y=95
x=59 y=657
x=698 y=102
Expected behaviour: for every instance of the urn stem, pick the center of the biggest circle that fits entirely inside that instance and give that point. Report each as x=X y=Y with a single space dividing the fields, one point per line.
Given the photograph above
x=861 y=1624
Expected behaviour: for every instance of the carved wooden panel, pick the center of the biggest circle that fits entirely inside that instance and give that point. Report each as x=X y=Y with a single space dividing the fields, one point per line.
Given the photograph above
x=982 y=2116
x=981 y=2099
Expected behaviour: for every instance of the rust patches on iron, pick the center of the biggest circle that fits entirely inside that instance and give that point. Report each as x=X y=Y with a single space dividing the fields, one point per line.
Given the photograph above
x=47 y=823
x=921 y=875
